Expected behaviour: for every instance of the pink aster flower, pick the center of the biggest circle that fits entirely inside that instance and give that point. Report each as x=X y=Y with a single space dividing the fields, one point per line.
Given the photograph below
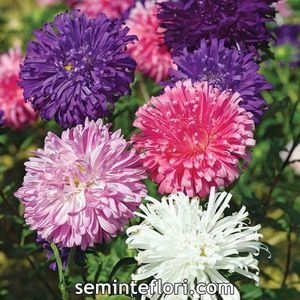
x=48 y=2
x=193 y=137
x=112 y=8
x=284 y=9
x=83 y=187
x=16 y=112
x=150 y=52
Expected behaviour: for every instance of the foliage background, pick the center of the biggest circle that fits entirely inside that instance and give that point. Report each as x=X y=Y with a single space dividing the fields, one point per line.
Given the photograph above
x=269 y=188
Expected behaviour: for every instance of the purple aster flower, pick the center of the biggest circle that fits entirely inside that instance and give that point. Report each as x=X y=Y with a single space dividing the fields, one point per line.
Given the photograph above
x=1 y=118
x=289 y=34
x=226 y=69
x=63 y=253
x=77 y=68
x=242 y=23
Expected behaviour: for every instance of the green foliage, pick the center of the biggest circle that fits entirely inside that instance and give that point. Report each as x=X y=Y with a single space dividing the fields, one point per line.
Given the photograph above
x=268 y=187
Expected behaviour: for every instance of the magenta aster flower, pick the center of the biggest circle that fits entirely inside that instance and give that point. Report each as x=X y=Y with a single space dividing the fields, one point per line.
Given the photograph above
x=83 y=187
x=226 y=69
x=17 y=112
x=193 y=137
x=77 y=68
x=242 y=23
x=150 y=52
x=93 y=8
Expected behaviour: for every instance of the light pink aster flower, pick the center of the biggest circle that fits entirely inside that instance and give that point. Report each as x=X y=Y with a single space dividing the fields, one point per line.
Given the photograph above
x=112 y=8
x=83 y=187
x=150 y=52
x=16 y=112
x=48 y=2
x=295 y=157
x=193 y=137
x=284 y=9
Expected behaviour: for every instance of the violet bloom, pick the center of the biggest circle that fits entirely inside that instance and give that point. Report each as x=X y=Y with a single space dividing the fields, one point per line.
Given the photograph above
x=77 y=68
x=289 y=34
x=63 y=253
x=242 y=23
x=226 y=69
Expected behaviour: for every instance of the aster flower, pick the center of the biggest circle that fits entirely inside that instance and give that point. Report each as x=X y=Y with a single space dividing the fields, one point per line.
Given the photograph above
x=93 y=8
x=1 y=118
x=63 y=253
x=17 y=112
x=77 y=68
x=83 y=187
x=150 y=53
x=45 y=3
x=289 y=34
x=284 y=9
x=226 y=69
x=193 y=137
x=242 y=23
x=294 y=158
x=180 y=240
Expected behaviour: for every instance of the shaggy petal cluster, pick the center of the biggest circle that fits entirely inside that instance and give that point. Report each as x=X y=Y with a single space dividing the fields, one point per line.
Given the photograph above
x=242 y=23
x=77 y=68
x=193 y=137
x=179 y=239
x=81 y=188
x=151 y=54
x=17 y=112
x=294 y=158
x=226 y=69
x=93 y=8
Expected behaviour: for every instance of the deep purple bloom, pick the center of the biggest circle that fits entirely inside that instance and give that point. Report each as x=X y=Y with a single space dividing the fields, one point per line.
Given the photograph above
x=63 y=253
x=288 y=34
x=242 y=23
x=77 y=68
x=226 y=69
x=1 y=118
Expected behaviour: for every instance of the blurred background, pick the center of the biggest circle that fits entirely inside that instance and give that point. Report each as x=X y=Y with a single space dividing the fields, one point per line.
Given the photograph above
x=270 y=187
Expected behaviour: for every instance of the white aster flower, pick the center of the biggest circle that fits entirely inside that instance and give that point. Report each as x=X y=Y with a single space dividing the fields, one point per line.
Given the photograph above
x=295 y=157
x=180 y=239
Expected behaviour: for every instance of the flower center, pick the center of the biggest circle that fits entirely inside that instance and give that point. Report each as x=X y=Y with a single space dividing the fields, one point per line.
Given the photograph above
x=202 y=251
x=78 y=62
x=68 y=67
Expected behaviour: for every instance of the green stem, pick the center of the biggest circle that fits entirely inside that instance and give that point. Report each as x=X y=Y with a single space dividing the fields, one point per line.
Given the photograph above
x=144 y=90
x=62 y=282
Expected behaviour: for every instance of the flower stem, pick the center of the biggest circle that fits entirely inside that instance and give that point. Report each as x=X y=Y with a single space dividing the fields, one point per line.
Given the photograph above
x=62 y=282
x=144 y=90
